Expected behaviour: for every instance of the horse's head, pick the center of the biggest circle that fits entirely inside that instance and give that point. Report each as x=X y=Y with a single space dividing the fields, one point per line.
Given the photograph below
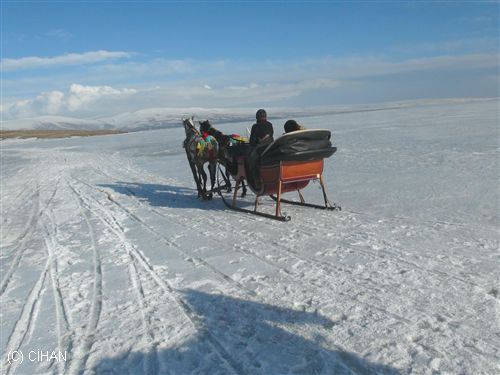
x=189 y=126
x=205 y=126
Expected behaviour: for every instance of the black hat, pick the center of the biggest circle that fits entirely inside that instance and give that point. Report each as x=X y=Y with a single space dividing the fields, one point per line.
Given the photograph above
x=261 y=115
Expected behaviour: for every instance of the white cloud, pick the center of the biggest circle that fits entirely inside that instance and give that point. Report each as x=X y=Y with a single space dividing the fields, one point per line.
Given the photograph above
x=250 y=86
x=79 y=98
x=51 y=101
x=34 y=62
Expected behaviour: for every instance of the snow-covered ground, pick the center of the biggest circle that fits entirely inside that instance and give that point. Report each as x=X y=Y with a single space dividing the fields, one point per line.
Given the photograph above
x=107 y=254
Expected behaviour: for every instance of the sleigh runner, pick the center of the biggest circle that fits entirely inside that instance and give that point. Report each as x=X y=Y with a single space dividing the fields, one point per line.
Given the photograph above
x=288 y=164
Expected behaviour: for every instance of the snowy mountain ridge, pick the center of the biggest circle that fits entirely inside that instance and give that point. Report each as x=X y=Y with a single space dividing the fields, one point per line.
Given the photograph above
x=159 y=118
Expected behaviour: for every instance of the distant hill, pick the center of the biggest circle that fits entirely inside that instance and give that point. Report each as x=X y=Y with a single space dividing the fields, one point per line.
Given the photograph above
x=157 y=118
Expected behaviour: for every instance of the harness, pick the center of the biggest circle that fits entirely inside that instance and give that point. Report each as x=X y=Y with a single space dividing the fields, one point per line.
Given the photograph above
x=206 y=144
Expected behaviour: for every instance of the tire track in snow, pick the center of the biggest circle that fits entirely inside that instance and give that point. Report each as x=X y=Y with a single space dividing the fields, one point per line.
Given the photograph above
x=111 y=222
x=28 y=316
x=21 y=192
x=151 y=361
x=151 y=357
x=23 y=233
x=30 y=227
x=212 y=224
x=170 y=242
x=189 y=223
x=62 y=326
x=84 y=344
x=19 y=249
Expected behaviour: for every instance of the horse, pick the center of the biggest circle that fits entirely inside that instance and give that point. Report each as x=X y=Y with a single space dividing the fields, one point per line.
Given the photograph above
x=200 y=151
x=223 y=156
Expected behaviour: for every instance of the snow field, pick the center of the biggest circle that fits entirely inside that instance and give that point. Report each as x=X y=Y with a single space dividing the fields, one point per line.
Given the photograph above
x=107 y=253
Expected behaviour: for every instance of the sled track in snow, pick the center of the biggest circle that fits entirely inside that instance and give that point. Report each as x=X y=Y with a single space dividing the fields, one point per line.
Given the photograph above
x=20 y=192
x=169 y=242
x=151 y=357
x=19 y=249
x=82 y=351
x=62 y=326
x=28 y=316
x=26 y=323
x=185 y=309
x=208 y=220
x=25 y=230
x=29 y=229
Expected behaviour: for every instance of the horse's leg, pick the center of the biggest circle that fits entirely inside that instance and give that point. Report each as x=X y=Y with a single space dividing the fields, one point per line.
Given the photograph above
x=227 y=176
x=243 y=189
x=212 y=166
x=204 y=177
x=199 y=173
x=195 y=175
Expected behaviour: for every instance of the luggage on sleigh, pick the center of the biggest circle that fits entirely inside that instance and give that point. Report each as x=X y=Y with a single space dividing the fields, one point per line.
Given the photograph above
x=287 y=164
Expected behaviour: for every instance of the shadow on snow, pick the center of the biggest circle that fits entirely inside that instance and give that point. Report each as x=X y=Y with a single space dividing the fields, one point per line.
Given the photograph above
x=236 y=336
x=163 y=195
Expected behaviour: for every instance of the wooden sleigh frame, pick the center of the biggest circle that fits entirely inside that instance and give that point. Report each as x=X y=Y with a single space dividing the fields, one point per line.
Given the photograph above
x=282 y=176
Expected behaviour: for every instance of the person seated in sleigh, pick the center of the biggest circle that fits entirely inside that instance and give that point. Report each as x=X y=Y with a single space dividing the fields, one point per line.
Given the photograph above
x=292 y=126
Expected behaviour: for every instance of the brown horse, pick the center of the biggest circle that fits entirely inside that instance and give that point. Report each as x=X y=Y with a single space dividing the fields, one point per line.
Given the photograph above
x=200 y=151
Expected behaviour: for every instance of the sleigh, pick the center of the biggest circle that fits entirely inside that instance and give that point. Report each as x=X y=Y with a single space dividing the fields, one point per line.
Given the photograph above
x=288 y=164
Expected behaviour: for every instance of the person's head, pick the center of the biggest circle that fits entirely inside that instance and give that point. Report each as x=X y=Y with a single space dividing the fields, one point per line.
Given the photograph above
x=261 y=115
x=291 y=126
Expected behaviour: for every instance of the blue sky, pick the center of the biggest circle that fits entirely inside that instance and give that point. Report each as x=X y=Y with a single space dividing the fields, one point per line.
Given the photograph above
x=98 y=58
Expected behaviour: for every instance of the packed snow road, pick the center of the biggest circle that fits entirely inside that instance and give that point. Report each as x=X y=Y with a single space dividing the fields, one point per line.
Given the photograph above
x=107 y=256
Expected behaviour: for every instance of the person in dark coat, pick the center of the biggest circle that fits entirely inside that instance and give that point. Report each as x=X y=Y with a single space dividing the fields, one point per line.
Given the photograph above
x=260 y=137
x=262 y=130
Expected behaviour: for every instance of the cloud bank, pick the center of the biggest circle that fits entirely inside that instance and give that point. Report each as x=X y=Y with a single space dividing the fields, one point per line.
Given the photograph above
x=35 y=62
x=77 y=99
x=109 y=86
